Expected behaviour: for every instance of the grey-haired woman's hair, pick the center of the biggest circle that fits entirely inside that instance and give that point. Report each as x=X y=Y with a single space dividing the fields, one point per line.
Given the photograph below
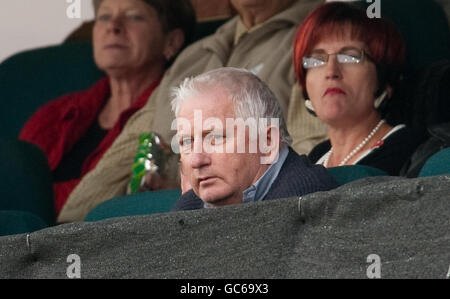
x=96 y=5
x=251 y=97
x=173 y=14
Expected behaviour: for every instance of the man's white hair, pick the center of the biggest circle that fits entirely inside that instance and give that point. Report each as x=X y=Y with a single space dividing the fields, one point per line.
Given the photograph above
x=251 y=97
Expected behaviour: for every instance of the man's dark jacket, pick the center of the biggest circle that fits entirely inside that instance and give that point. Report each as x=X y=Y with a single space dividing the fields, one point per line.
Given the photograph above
x=297 y=177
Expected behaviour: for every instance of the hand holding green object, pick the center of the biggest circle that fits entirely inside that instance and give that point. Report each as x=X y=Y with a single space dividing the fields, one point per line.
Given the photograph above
x=149 y=165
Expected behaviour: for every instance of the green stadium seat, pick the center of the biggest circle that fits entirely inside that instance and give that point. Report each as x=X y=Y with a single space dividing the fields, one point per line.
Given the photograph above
x=26 y=183
x=137 y=204
x=32 y=78
x=19 y=222
x=438 y=164
x=350 y=173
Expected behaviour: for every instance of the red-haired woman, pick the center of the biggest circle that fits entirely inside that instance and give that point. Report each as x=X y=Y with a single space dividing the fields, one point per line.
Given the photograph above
x=348 y=66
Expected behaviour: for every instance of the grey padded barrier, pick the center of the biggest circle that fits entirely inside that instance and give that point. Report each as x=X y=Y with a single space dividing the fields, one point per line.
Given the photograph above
x=403 y=222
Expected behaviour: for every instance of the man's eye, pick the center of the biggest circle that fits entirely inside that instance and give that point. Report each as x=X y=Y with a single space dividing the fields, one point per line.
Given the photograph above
x=218 y=139
x=214 y=138
x=185 y=141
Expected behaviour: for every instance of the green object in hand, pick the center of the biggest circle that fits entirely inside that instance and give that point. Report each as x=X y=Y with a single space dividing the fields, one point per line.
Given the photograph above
x=151 y=156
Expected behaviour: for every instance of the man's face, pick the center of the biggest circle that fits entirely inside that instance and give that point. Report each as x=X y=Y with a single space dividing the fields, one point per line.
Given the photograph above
x=217 y=172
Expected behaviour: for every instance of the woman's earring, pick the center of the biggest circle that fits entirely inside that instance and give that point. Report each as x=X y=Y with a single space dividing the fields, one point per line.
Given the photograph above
x=309 y=106
x=380 y=99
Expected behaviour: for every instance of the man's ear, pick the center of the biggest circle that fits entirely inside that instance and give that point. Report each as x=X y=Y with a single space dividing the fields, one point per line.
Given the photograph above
x=270 y=148
x=173 y=44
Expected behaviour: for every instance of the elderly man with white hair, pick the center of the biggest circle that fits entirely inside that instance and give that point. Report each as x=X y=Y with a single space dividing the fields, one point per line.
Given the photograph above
x=234 y=145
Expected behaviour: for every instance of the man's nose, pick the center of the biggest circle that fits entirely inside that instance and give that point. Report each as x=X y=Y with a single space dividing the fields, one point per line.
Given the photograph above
x=199 y=159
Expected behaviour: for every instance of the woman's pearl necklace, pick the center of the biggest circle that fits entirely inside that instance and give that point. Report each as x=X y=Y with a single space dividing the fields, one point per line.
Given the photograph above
x=357 y=149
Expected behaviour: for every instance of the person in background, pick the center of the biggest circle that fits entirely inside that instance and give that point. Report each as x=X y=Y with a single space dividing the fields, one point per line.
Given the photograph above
x=133 y=40
x=238 y=154
x=446 y=6
x=430 y=94
x=348 y=67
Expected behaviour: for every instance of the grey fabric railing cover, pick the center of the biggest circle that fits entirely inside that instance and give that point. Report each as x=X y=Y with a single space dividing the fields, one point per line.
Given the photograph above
x=404 y=222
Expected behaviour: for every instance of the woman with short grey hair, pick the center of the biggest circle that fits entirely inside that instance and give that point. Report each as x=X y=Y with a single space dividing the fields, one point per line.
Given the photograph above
x=134 y=41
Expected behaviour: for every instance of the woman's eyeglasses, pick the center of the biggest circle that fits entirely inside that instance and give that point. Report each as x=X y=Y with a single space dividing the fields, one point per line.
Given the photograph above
x=345 y=56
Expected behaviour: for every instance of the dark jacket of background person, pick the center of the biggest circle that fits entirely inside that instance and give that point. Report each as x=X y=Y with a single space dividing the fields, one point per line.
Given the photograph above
x=297 y=177
x=438 y=140
x=430 y=95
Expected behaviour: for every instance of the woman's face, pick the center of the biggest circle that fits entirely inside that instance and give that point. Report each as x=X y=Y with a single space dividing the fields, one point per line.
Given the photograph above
x=128 y=36
x=342 y=93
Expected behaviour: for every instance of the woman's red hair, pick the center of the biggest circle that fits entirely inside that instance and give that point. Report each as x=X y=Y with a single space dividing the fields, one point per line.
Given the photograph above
x=384 y=43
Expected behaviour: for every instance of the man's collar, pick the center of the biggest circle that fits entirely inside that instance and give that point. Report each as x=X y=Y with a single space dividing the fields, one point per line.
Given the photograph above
x=258 y=190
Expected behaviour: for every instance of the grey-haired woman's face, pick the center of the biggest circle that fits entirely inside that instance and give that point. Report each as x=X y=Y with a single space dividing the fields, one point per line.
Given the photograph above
x=127 y=35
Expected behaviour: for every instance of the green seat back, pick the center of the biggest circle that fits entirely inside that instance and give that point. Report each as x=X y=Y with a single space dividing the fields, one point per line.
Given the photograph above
x=19 y=222
x=424 y=27
x=437 y=164
x=350 y=173
x=26 y=181
x=32 y=78
x=138 y=204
